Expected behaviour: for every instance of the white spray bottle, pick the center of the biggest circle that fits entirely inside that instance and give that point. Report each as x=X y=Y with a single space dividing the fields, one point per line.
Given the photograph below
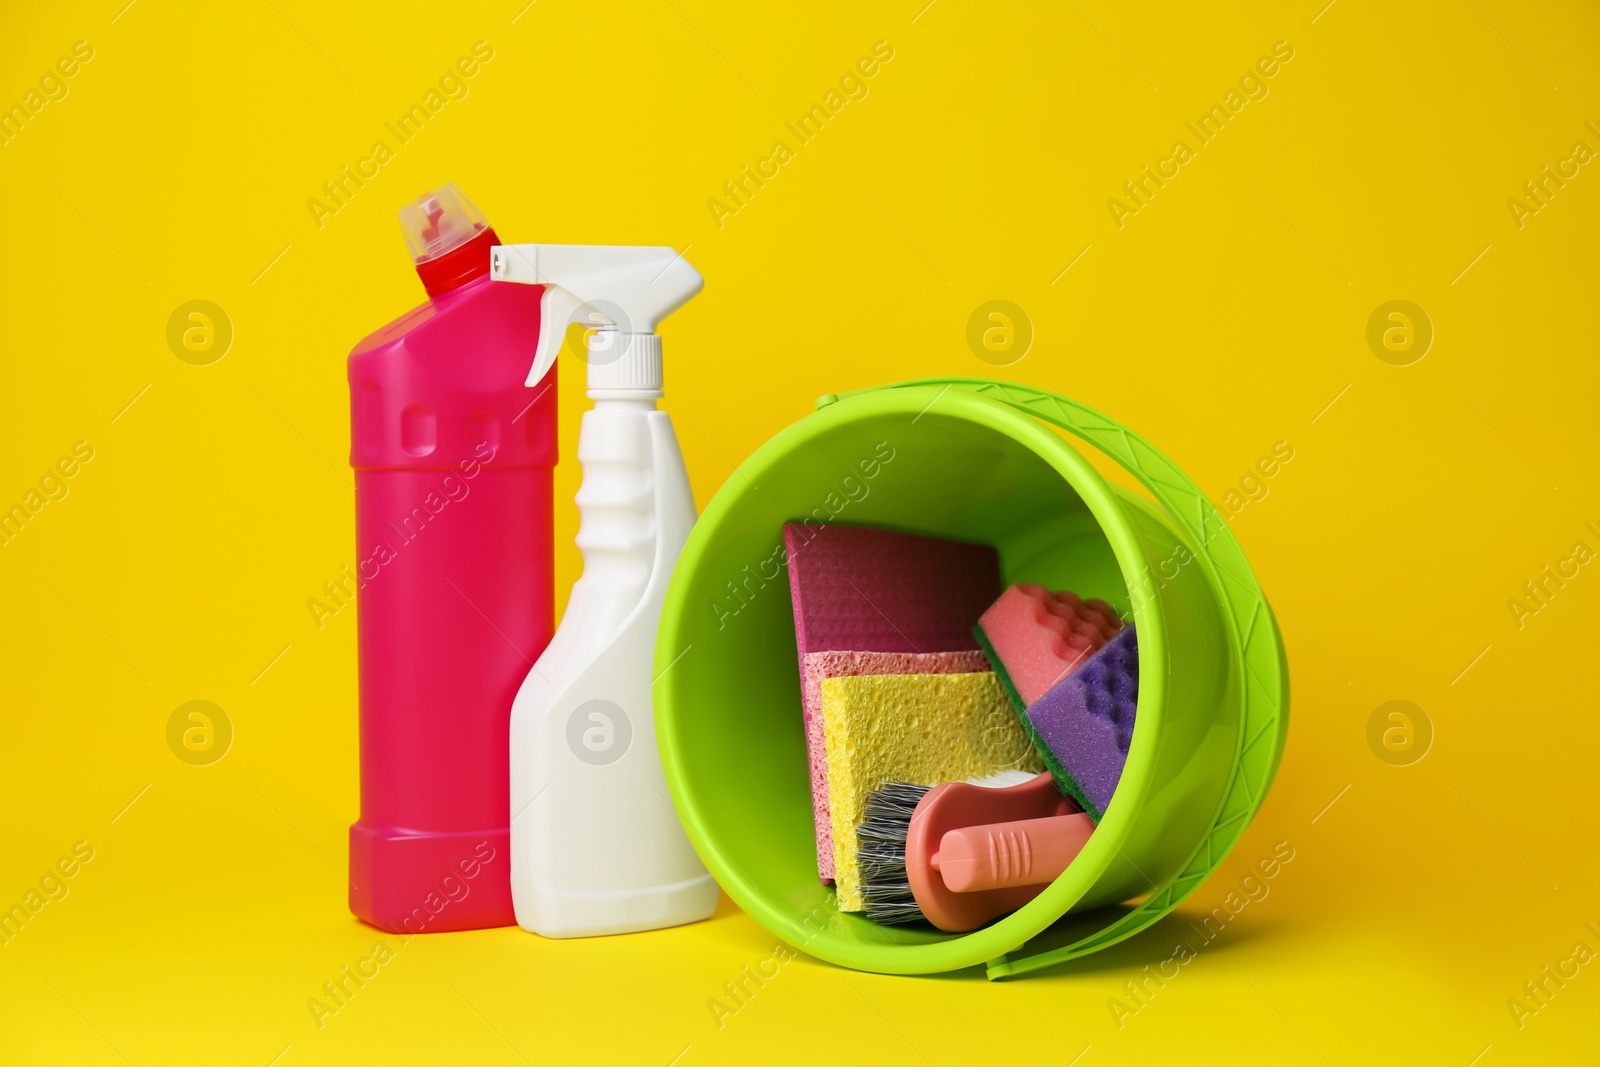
x=596 y=845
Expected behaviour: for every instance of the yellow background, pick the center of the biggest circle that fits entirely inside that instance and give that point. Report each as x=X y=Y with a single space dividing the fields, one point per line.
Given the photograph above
x=1221 y=319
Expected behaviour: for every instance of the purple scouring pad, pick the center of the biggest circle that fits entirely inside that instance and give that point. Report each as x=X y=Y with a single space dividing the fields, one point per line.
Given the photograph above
x=1082 y=727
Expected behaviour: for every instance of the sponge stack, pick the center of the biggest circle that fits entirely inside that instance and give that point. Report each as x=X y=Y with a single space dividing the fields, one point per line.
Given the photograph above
x=870 y=601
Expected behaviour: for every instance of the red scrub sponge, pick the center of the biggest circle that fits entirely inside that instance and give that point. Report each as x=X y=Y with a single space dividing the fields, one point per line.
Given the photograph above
x=1034 y=638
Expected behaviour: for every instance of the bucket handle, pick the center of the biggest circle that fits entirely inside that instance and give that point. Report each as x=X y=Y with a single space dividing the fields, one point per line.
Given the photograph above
x=1257 y=648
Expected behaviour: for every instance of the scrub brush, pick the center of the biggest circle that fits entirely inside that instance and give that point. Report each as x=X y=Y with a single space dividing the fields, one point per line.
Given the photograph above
x=963 y=853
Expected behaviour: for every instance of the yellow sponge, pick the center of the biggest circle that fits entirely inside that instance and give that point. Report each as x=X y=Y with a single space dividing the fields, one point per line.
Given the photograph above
x=919 y=728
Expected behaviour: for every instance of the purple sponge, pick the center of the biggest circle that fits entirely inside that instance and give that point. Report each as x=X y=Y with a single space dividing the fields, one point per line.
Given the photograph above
x=1082 y=727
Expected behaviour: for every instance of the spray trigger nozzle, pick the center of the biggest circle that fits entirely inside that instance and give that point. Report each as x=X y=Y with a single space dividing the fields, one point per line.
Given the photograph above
x=619 y=291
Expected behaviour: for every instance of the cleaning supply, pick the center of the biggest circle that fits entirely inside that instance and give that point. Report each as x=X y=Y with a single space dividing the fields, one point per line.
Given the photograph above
x=1034 y=638
x=1084 y=726
x=596 y=845
x=453 y=458
x=861 y=589
x=961 y=854
x=1020 y=468
x=928 y=728
x=814 y=667
x=1071 y=670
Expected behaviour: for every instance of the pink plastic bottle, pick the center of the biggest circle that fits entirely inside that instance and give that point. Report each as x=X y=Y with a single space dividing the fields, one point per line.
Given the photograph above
x=453 y=457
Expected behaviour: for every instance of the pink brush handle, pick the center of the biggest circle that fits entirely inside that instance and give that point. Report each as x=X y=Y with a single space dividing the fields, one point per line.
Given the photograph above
x=1002 y=855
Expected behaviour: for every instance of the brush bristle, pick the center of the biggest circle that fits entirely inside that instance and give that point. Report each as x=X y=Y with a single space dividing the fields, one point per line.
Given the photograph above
x=881 y=853
x=881 y=845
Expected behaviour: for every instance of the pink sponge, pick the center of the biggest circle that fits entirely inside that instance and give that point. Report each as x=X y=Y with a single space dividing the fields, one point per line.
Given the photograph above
x=819 y=665
x=864 y=590
x=1034 y=638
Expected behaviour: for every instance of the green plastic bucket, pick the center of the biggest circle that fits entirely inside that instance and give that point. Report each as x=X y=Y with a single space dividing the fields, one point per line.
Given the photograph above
x=971 y=460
